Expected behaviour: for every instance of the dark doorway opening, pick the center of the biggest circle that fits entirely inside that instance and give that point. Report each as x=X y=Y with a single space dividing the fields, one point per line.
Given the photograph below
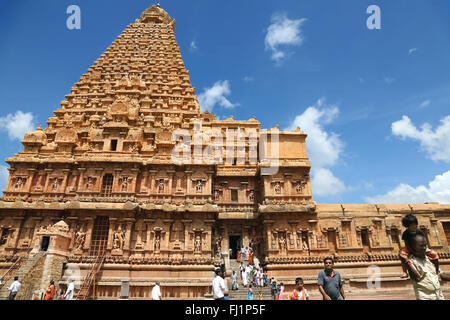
x=235 y=244
x=44 y=244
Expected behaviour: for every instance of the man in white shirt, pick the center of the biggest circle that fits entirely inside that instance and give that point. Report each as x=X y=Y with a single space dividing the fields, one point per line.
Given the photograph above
x=156 y=292
x=70 y=289
x=218 y=286
x=14 y=288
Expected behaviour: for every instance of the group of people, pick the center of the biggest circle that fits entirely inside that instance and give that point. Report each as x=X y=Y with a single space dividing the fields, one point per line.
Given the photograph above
x=418 y=261
x=49 y=293
x=250 y=275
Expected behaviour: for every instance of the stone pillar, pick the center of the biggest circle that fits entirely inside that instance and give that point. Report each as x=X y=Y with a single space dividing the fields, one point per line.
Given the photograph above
x=152 y=181
x=188 y=182
x=47 y=180
x=80 y=181
x=148 y=243
x=89 y=231
x=112 y=225
x=65 y=180
x=32 y=173
x=187 y=231
x=126 y=245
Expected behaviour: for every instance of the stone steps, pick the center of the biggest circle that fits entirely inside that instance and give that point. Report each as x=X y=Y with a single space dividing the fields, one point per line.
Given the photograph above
x=21 y=273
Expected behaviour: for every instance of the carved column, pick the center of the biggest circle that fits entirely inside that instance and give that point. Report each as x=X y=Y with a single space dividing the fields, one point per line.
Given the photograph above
x=187 y=231
x=65 y=180
x=112 y=226
x=148 y=243
x=47 y=180
x=152 y=181
x=80 y=181
x=89 y=231
x=126 y=245
x=32 y=173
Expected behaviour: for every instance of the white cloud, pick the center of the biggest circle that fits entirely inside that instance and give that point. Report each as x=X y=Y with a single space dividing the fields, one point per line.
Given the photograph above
x=412 y=50
x=435 y=143
x=325 y=183
x=425 y=104
x=248 y=79
x=4 y=173
x=283 y=32
x=438 y=190
x=17 y=124
x=324 y=148
x=216 y=95
x=193 y=47
x=389 y=80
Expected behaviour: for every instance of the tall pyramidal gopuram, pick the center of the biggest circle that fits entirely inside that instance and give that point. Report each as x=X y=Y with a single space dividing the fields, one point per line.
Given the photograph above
x=98 y=196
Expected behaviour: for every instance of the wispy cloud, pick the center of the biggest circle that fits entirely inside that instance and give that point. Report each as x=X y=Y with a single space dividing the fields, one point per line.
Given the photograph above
x=17 y=124
x=248 y=79
x=411 y=51
x=324 y=148
x=425 y=104
x=389 y=80
x=4 y=173
x=193 y=46
x=436 y=143
x=283 y=32
x=437 y=190
x=216 y=95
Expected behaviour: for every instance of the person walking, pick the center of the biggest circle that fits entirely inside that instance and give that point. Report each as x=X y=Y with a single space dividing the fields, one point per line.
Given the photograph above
x=245 y=276
x=250 y=293
x=50 y=293
x=281 y=296
x=156 y=292
x=70 y=290
x=218 y=286
x=329 y=282
x=261 y=278
x=14 y=288
x=234 y=281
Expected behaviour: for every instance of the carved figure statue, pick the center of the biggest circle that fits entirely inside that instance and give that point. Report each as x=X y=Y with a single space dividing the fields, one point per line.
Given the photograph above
x=282 y=242
x=20 y=182
x=125 y=184
x=197 y=243
x=80 y=237
x=90 y=183
x=277 y=188
x=55 y=185
x=198 y=186
x=119 y=236
x=161 y=186
x=251 y=196
x=157 y=242
x=216 y=195
x=299 y=187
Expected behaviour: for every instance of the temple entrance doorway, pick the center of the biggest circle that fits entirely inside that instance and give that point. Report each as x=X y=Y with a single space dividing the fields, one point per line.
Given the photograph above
x=235 y=244
x=44 y=244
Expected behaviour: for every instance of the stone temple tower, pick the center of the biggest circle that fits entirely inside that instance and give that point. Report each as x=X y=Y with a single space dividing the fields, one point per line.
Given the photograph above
x=132 y=214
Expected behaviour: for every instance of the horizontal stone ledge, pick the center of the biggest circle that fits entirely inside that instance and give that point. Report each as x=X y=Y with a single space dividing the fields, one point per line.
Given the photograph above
x=147 y=267
x=286 y=208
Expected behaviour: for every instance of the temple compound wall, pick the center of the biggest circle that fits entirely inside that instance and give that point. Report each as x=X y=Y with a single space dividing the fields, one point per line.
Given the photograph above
x=101 y=181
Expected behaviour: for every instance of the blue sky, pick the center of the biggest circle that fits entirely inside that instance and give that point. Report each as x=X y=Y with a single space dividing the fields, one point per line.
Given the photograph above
x=376 y=100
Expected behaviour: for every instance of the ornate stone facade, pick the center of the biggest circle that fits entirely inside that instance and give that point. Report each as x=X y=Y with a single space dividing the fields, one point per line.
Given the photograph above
x=104 y=166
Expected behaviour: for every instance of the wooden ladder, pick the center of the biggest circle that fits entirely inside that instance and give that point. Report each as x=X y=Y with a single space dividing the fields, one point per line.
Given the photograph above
x=90 y=278
x=12 y=271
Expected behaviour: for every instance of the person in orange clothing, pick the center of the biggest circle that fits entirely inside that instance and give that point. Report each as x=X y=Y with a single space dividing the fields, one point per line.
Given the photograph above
x=250 y=257
x=50 y=293
x=239 y=256
x=300 y=293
